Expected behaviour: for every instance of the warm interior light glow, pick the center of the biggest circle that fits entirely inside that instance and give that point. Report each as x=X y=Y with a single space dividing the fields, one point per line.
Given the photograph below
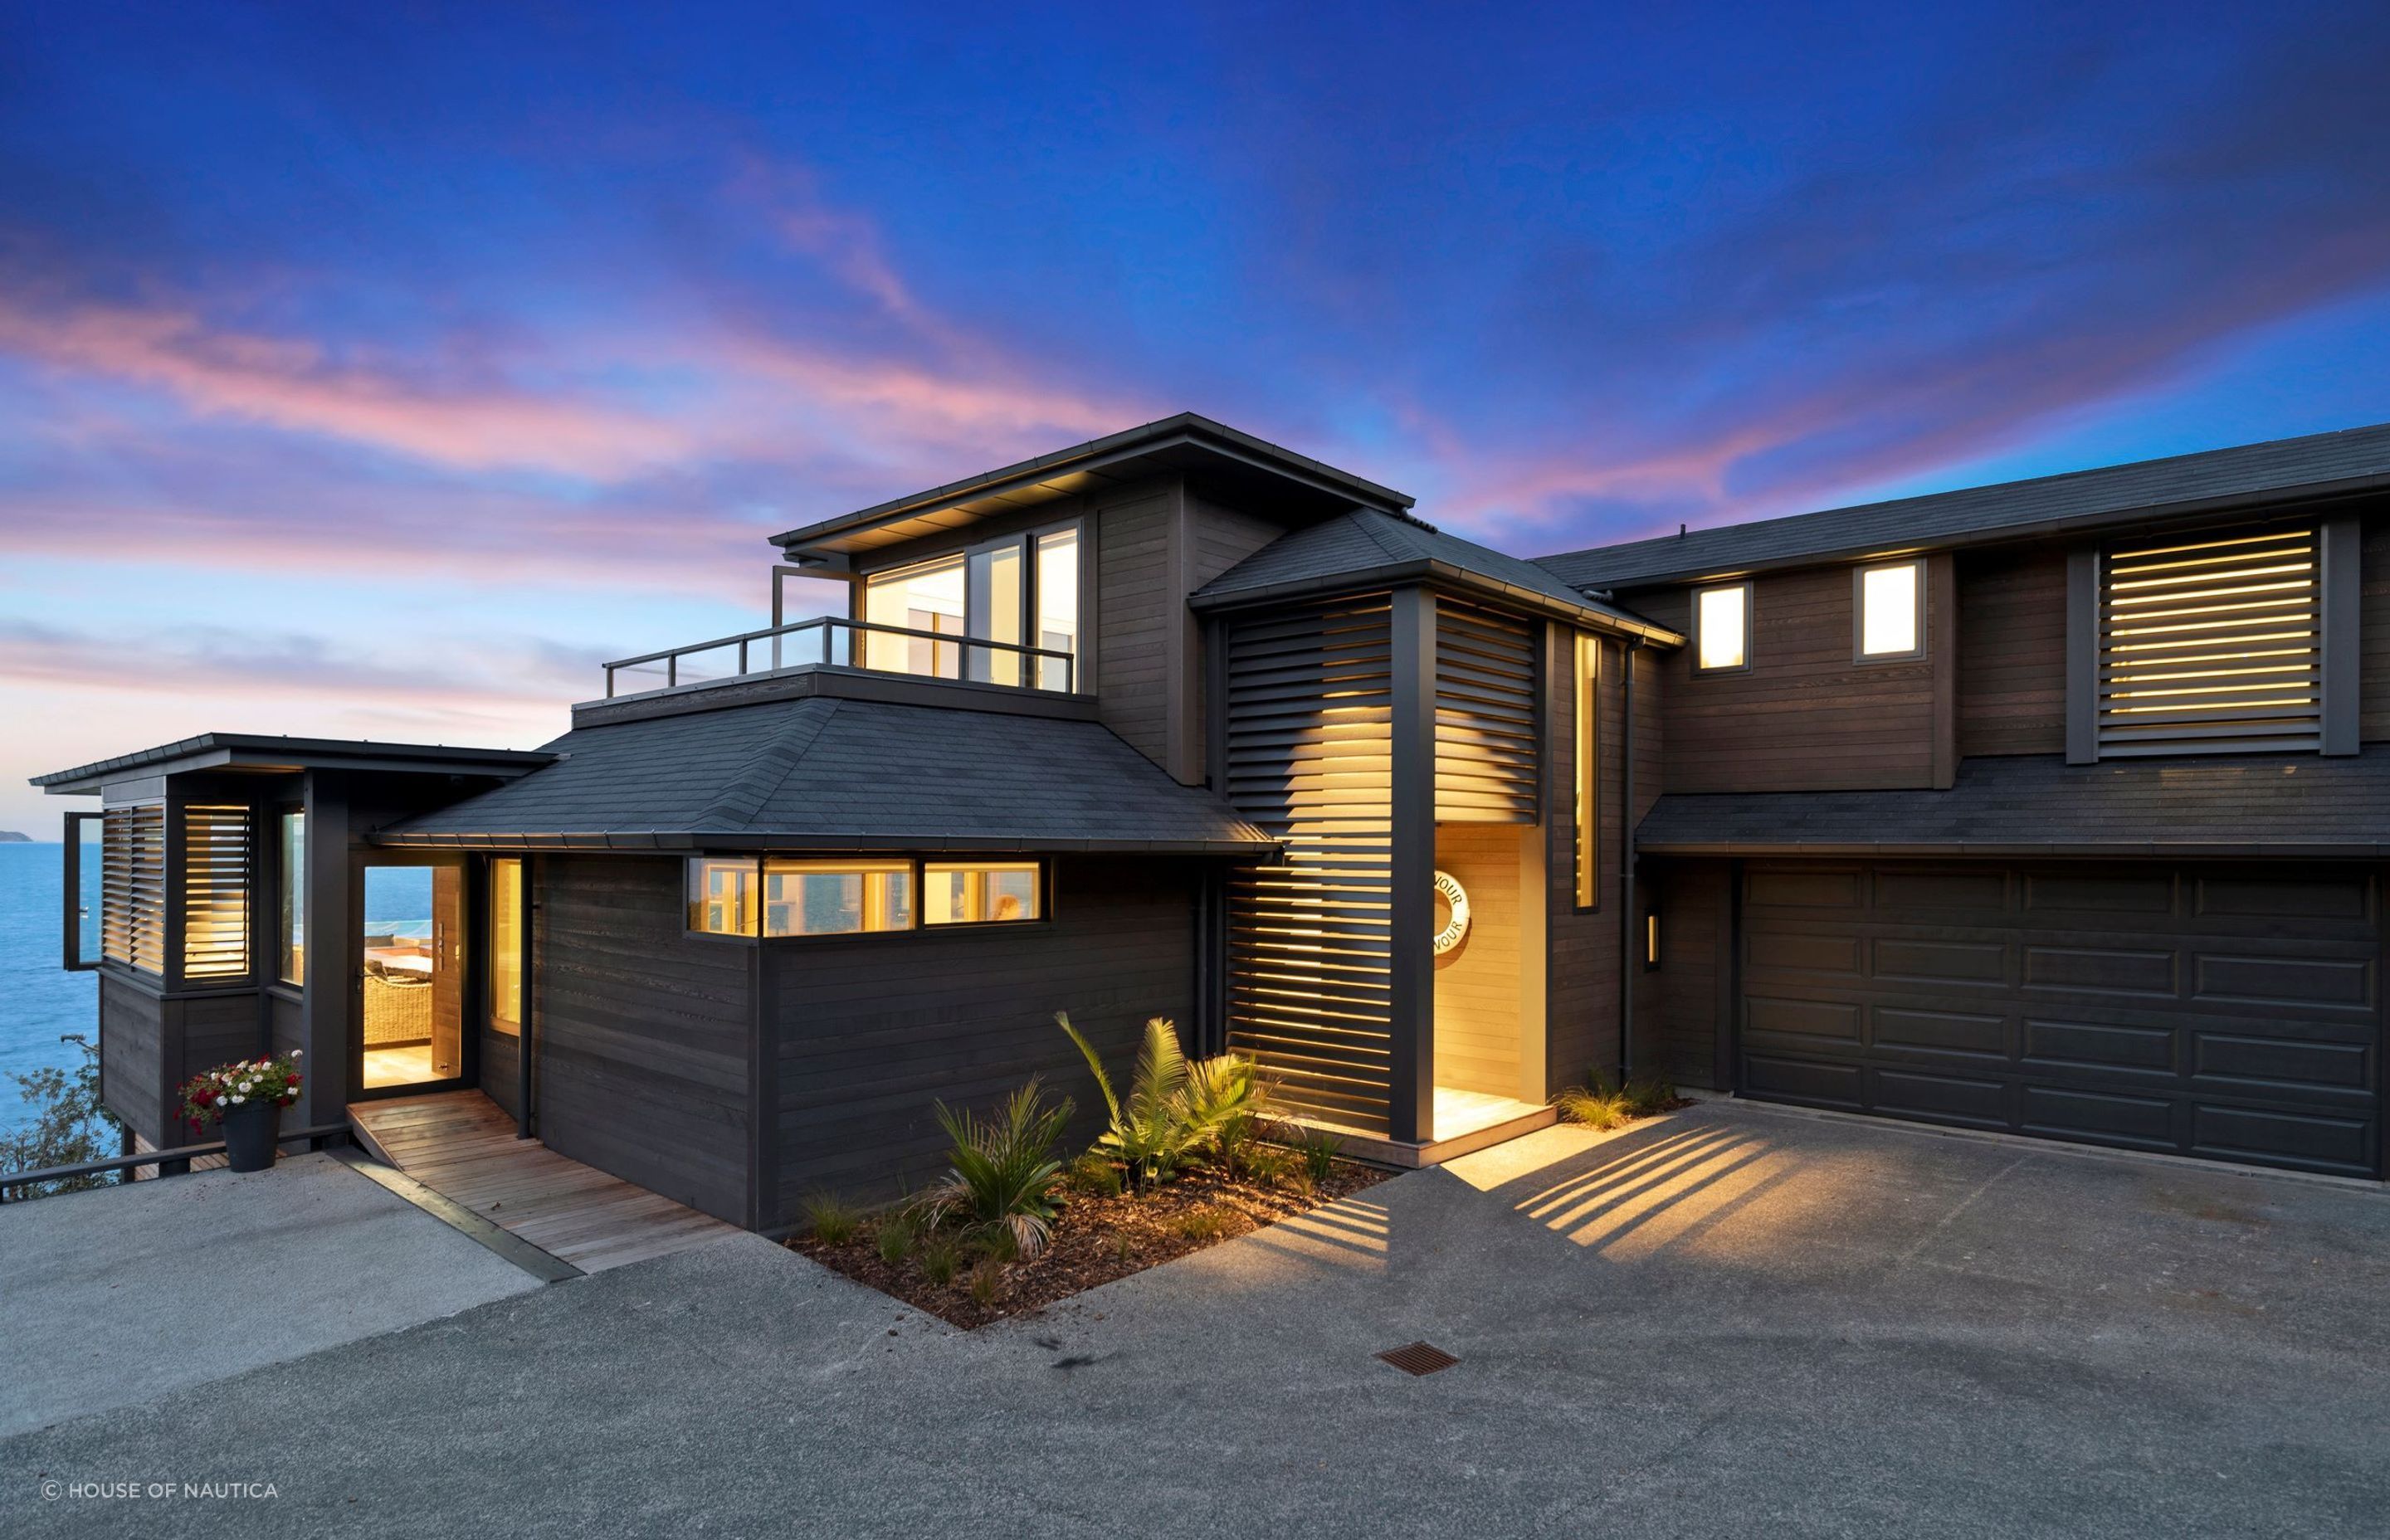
x=1888 y=610
x=1721 y=622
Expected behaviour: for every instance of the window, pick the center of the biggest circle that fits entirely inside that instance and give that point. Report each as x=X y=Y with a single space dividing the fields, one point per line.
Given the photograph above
x=215 y=892
x=292 y=892
x=980 y=893
x=1889 y=600
x=1058 y=605
x=133 y=887
x=1017 y=590
x=721 y=896
x=1722 y=628
x=506 y=945
x=830 y=898
x=926 y=597
x=1588 y=772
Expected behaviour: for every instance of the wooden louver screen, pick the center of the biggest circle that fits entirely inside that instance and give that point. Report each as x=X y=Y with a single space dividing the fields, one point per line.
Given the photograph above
x=2212 y=645
x=1308 y=713
x=215 y=892
x=1486 y=756
x=133 y=887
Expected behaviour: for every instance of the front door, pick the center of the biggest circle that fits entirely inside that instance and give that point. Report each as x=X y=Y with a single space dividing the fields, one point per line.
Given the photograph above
x=411 y=983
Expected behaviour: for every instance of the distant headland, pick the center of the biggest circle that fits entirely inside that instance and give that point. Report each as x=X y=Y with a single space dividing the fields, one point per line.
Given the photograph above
x=10 y=836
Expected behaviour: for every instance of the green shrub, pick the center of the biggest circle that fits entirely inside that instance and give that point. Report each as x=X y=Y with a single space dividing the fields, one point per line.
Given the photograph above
x=1202 y=1224
x=1594 y=1107
x=987 y=1281
x=1003 y=1173
x=1093 y=1175
x=1265 y=1166
x=1647 y=1094
x=1176 y=1110
x=1320 y=1150
x=897 y=1233
x=67 y=1125
x=832 y=1219
x=1123 y=1246
x=941 y=1258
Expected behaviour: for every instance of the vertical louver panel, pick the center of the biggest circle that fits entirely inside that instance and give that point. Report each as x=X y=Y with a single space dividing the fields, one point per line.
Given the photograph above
x=1308 y=707
x=215 y=892
x=2212 y=645
x=1485 y=759
x=133 y=887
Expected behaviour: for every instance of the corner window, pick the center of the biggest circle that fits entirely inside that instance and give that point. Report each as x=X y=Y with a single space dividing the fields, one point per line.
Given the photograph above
x=1058 y=605
x=215 y=892
x=721 y=896
x=1588 y=771
x=291 y=848
x=832 y=898
x=925 y=597
x=507 y=938
x=1722 y=628
x=981 y=893
x=1017 y=591
x=1889 y=602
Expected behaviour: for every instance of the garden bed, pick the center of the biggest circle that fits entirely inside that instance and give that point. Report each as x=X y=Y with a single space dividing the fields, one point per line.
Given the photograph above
x=1097 y=1238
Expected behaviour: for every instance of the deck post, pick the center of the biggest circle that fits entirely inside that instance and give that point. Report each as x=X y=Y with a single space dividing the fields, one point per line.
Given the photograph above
x=1410 y=1113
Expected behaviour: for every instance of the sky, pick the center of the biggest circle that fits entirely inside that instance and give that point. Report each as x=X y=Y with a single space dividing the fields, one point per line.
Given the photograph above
x=379 y=371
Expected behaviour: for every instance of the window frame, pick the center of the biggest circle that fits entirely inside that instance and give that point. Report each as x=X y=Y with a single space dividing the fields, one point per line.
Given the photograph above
x=976 y=558
x=921 y=869
x=1585 y=789
x=289 y=896
x=1749 y=615
x=917 y=865
x=502 y=1025
x=1859 y=654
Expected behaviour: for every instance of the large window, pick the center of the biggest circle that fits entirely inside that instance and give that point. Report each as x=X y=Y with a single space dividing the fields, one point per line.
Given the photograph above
x=506 y=945
x=852 y=897
x=1019 y=590
x=1722 y=628
x=133 y=887
x=1889 y=605
x=1588 y=772
x=215 y=892
x=291 y=889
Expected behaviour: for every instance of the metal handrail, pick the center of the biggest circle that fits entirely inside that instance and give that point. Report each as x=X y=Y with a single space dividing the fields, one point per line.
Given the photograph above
x=179 y=1159
x=670 y=657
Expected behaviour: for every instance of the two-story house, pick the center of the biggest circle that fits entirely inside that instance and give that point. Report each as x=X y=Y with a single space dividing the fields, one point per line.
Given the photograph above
x=2043 y=807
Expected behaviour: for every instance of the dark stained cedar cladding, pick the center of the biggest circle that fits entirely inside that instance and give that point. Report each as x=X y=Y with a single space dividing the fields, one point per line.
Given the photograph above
x=1487 y=764
x=1308 y=713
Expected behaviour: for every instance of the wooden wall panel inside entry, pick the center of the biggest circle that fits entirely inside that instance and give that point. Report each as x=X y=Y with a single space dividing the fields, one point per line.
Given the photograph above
x=2231 y=1012
x=1487 y=762
x=1307 y=711
x=1477 y=984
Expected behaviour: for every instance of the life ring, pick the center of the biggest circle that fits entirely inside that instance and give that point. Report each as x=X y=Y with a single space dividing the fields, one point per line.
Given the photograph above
x=1456 y=929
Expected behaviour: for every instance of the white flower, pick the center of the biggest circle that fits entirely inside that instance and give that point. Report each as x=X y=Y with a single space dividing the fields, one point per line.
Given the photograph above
x=296 y=1053
x=237 y=1098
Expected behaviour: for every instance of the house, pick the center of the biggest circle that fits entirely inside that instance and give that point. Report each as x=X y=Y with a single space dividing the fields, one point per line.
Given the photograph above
x=2055 y=807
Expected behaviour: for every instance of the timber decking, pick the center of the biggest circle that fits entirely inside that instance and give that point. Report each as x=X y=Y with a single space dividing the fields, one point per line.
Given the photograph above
x=462 y=1146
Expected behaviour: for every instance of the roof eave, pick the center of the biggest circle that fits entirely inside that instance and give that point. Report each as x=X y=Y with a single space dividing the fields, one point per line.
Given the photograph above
x=1430 y=569
x=671 y=841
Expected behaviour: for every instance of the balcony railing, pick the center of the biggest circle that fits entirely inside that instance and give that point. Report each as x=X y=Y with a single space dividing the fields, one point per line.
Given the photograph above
x=848 y=644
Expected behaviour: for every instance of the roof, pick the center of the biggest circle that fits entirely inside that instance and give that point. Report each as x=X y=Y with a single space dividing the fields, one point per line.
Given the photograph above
x=2354 y=459
x=259 y=751
x=1185 y=444
x=825 y=772
x=2302 y=806
x=1367 y=546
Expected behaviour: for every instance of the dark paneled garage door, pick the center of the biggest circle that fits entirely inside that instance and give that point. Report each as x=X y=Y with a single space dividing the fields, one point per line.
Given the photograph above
x=2229 y=1013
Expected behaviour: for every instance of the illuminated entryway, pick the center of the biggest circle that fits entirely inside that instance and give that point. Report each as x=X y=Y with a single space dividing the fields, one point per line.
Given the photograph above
x=411 y=995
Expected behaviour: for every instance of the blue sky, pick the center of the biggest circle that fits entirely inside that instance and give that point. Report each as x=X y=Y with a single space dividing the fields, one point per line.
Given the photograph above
x=376 y=371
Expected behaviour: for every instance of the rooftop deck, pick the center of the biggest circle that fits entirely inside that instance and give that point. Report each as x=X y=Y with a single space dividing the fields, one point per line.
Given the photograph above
x=835 y=641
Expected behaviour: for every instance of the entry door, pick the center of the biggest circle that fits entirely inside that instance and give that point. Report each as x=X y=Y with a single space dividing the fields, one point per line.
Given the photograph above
x=2231 y=1012
x=411 y=978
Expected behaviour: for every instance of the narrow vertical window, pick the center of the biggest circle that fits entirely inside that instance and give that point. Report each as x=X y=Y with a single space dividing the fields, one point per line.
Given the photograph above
x=1722 y=628
x=721 y=896
x=1891 y=607
x=1057 y=608
x=292 y=889
x=215 y=892
x=506 y=945
x=996 y=594
x=1588 y=772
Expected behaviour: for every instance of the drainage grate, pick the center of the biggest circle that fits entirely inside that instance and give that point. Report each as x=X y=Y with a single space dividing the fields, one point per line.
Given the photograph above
x=1419 y=1358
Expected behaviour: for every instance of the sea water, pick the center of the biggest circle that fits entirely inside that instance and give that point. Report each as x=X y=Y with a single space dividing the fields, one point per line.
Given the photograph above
x=40 y=1001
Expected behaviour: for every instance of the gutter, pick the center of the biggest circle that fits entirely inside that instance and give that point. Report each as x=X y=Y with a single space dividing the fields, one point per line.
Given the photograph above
x=1617 y=622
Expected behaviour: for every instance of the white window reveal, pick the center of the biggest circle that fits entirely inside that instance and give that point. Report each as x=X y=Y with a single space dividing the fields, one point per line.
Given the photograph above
x=1891 y=610
x=1722 y=628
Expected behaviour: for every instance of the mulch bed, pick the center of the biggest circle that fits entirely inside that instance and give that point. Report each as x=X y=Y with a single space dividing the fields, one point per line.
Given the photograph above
x=1096 y=1240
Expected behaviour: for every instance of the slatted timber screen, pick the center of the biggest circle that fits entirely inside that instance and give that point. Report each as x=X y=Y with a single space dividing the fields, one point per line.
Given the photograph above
x=2212 y=644
x=215 y=892
x=1308 y=710
x=1485 y=743
x=133 y=886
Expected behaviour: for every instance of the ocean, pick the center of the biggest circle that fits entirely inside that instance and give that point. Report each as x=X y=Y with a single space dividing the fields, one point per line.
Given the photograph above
x=39 y=1000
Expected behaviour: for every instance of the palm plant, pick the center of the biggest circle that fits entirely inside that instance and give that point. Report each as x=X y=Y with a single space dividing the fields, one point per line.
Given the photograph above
x=1176 y=1109
x=1003 y=1167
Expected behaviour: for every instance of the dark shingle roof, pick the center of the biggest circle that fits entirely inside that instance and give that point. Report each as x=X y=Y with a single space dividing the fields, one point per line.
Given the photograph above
x=2039 y=804
x=819 y=772
x=266 y=751
x=1367 y=545
x=2353 y=459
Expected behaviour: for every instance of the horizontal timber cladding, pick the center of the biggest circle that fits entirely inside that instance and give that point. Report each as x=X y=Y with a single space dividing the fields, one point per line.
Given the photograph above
x=870 y=1033
x=2012 y=651
x=643 y=1032
x=2212 y=643
x=1308 y=715
x=1487 y=764
x=133 y=1069
x=2230 y=1012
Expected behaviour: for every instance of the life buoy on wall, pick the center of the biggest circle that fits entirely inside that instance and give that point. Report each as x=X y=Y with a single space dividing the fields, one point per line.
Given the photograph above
x=1456 y=929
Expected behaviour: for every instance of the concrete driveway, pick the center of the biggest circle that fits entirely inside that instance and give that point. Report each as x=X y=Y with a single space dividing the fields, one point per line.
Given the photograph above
x=1730 y=1322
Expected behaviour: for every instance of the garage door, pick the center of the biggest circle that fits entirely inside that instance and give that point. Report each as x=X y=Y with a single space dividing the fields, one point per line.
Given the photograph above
x=2228 y=1013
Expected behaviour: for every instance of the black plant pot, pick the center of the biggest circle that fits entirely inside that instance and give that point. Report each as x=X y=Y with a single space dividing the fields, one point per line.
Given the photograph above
x=249 y=1132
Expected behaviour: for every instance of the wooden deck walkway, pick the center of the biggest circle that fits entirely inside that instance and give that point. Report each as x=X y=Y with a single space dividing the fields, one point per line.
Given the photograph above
x=462 y=1146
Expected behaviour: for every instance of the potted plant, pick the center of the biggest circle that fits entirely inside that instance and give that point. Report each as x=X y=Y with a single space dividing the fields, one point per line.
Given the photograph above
x=247 y=1096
